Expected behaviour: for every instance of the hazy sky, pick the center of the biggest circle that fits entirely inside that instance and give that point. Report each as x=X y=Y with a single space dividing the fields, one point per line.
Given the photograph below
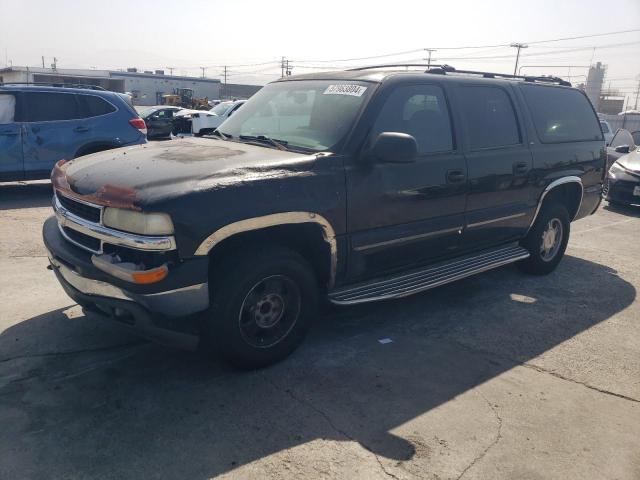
x=188 y=34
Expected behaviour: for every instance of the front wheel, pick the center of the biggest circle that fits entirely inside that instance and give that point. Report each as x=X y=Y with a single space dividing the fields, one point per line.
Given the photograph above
x=262 y=306
x=547 y=240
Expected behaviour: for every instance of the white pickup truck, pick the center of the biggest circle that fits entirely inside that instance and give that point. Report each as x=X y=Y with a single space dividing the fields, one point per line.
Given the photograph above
x=206 y=122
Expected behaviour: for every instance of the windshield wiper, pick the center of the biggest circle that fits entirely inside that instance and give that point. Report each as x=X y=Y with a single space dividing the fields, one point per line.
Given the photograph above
x=279 y=144
x=224 y=136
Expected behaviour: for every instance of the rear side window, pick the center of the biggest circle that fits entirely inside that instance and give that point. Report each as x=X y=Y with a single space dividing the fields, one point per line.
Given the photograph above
x=561 y=114
x=605 y=127
x=420 y=111
x=490 y=117
x=93 y=106
x=46 y=107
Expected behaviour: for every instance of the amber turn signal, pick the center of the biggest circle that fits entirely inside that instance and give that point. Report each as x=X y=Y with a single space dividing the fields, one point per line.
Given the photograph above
x=150 y=276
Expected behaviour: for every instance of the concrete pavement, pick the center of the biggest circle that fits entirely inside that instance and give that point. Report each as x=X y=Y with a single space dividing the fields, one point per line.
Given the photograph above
x=499 y=376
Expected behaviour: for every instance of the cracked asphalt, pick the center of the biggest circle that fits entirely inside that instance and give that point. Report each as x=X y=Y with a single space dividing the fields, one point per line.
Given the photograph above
x=499 y=376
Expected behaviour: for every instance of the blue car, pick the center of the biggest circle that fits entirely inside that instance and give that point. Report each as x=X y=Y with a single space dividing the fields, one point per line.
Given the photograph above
x=40 y=125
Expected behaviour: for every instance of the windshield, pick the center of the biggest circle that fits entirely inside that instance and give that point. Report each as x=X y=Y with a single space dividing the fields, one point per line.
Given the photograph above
x=310 y=114
x=221 y=108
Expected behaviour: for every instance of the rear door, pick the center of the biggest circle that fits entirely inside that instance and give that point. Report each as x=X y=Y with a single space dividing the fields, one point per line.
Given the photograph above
x=500 y=165
x=401 y=214
x=10 y=137
x=54 y=130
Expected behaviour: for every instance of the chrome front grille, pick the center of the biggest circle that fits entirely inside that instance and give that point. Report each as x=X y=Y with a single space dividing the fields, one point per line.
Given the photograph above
x=83 y=210
x=81 y=225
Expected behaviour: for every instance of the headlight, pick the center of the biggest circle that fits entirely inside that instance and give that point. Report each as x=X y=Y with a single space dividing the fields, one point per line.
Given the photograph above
x=138 y=222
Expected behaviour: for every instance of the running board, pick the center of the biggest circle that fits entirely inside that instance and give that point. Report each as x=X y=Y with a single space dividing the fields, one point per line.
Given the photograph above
x=433 y=276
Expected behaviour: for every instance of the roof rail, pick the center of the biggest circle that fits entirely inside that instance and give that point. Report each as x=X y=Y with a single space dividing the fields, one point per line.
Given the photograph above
x=55 y=84
x=389 y=65
x=445 y=69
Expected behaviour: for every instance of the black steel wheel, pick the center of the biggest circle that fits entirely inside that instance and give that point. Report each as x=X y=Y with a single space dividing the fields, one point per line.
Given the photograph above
x=262 y=304
x=547 y=240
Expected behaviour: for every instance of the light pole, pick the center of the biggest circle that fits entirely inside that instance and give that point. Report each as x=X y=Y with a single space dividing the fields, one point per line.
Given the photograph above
x=518 y=46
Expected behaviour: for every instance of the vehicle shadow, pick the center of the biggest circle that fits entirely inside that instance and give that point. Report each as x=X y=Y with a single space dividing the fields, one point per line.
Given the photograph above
x=34 y=194
x=146 y=411
x=622 y=209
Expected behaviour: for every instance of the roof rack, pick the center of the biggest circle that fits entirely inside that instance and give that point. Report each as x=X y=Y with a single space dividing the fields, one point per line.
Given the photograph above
x=445 y=69
x=55 y=84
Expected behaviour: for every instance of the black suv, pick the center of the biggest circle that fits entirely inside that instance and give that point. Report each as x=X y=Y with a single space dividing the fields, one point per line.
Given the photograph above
x=351 y=187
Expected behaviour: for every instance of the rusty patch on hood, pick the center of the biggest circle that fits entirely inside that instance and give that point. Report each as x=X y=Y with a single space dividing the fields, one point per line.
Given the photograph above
x=108 y=195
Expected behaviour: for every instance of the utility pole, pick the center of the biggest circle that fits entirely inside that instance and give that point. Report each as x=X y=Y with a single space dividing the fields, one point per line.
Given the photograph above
x=203 y=69
x=43 y=61
x=224 y=89
x=518 y=46
x=282 y=68
x=55 y=63
x=428 y=59
x=170 y=70
x=637 y=94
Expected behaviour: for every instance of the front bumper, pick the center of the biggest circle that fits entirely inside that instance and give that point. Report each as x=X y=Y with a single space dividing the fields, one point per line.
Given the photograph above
x=621 y=190
x=164 y=312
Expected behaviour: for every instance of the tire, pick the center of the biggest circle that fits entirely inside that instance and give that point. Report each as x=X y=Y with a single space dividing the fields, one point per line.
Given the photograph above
x=544 y=258
x=262 y=305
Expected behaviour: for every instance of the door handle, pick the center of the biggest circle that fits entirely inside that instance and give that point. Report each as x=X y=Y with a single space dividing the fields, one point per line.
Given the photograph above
x=455 y=176
x=520 y=168
x=81 y=129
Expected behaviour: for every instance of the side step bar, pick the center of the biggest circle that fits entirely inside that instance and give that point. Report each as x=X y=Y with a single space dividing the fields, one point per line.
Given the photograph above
x=432 y=276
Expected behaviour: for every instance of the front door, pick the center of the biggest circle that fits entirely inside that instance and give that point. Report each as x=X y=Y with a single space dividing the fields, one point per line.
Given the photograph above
x=10 y=138
x=401 y=214
x=500 y=164
x=54 y=130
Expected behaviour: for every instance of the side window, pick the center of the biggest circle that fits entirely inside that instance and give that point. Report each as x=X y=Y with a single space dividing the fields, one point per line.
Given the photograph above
x=7 y=108
x=490 y=117
x=561 y=114
x=45 y=106
x=93 y=106
x=420 y=111
x=605 y=127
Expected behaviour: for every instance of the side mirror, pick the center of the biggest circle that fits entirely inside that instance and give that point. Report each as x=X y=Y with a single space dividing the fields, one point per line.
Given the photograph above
x=623 y=149
x=393 y=147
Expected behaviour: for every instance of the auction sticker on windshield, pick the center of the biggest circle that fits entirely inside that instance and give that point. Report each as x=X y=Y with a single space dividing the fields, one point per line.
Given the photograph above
x=354 y=90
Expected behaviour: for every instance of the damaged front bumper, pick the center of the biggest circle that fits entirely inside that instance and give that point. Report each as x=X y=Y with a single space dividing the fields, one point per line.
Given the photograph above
x=165 y=312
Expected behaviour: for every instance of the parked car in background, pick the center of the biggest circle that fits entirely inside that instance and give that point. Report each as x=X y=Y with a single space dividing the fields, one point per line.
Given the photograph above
x=606 y=131
x=203 y=123
x=159 y=121
x=621 y=144
x=623 y=180
x=354 y=186
x=40 y=125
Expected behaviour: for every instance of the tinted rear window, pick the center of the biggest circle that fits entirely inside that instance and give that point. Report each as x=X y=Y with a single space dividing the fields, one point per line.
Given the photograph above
x=93 y=106
x=490 y=117
x=561 y=114
x=44 y=106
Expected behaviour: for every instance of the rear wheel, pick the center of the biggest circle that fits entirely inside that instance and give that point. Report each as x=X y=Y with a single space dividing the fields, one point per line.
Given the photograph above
x=547 y=240
x=262 y=306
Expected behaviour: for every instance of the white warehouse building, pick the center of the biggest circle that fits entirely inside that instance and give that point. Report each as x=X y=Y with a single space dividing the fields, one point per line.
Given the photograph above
x=146 y=88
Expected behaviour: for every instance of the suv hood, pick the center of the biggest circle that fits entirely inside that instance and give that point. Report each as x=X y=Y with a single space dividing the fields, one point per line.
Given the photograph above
x=137 y=176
